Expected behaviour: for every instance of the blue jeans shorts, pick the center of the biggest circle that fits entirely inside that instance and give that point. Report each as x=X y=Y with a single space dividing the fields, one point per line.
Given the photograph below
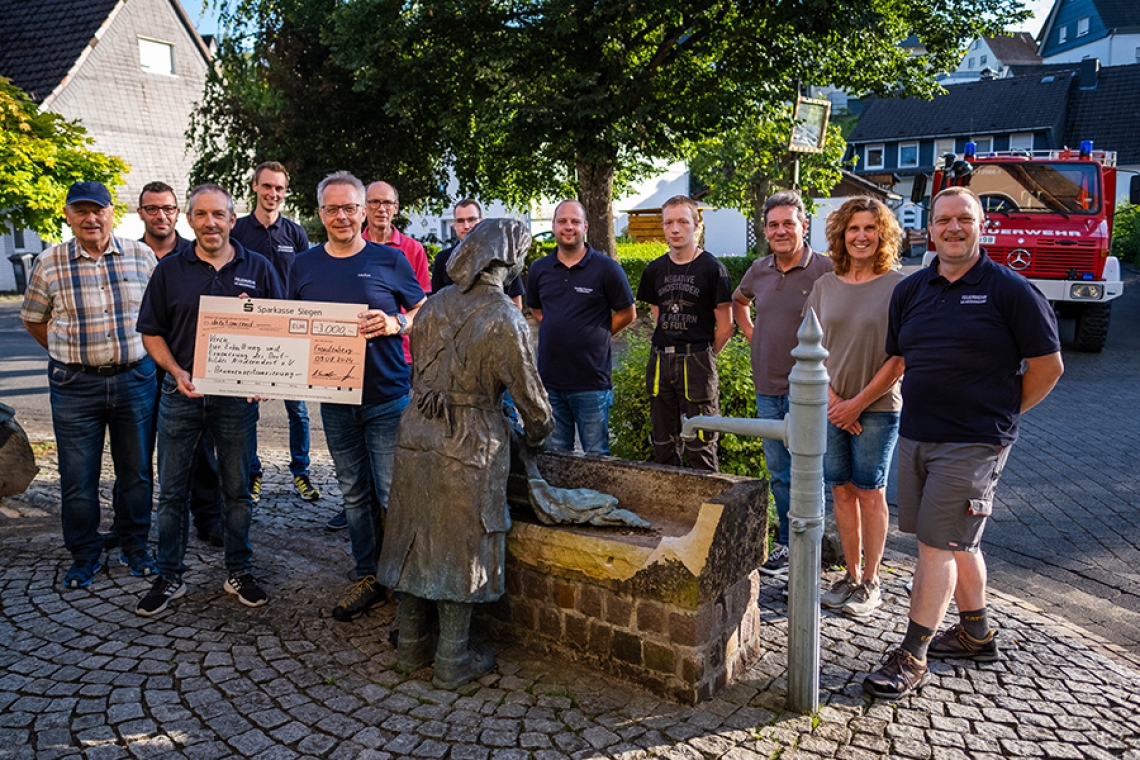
x=861 y=460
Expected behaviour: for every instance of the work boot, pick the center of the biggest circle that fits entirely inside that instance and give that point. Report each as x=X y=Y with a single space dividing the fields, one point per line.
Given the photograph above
x=414 y=648
x=456 y=663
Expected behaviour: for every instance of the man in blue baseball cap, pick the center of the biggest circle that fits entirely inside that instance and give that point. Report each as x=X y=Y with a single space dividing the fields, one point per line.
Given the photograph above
x=82 y=304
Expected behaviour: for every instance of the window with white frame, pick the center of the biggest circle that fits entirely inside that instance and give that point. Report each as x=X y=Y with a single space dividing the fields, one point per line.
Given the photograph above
x=970 y=65
x=873 y=157
x=983 y=60
x=984 y=144
x=1082 y=26
x=1062 y=34
x=1021 y=141
x=941 y=148
x=156 y=57
x=1138 y=55
x=908 y=155
x=18 y=243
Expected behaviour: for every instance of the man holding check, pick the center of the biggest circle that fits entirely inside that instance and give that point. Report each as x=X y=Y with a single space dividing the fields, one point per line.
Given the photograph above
x=168 y=321
x=362 y=439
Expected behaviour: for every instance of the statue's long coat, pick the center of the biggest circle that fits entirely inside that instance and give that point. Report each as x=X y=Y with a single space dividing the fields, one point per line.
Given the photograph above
x=447 y=510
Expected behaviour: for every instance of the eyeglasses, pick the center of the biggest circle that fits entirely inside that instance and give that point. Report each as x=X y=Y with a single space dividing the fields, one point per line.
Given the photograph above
x=386 y=204
x=349 y=208
x=154 y=210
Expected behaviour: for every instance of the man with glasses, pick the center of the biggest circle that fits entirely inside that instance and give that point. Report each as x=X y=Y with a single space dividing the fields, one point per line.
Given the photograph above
x=158 y=209
x=81 y=304
x=467 y=213
x=279 y=240
x=383 y=203
x=168 y=321
x=362 y=438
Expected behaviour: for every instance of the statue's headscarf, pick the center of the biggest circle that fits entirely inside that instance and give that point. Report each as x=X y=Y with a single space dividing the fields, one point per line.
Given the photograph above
x=493 y=242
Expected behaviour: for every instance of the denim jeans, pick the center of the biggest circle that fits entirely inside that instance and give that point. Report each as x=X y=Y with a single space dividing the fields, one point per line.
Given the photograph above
x=362 y=442
x=182 y=422
x=205 y=485
x=862 y=460
x=778 y=460
x=298 y=441
x=589 y=411
x=84 y=409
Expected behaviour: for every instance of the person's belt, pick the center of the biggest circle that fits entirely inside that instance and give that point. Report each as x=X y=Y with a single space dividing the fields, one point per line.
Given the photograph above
x=687 y=348
x=103 y=370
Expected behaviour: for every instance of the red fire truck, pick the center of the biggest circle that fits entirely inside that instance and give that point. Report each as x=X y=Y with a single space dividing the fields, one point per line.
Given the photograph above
x=1049 y=216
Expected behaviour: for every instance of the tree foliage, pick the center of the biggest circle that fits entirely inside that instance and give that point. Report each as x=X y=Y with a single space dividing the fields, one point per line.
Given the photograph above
x=532 y=98
x=745 y=165
x=41 y=155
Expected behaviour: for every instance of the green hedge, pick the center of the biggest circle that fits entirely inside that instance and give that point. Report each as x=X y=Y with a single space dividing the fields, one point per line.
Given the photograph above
x=1126 y=233
x=630 y=428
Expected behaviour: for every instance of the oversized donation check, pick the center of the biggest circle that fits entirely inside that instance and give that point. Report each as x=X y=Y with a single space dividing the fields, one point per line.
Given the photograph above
x=303 y=350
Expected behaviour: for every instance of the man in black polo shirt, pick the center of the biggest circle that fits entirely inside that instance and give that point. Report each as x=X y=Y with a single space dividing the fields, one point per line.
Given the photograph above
x=467 y=214
x=158 y=210
x=580 y=299
x=690 y=295
x=965 y=328
x=168 y=321
x=278 y=239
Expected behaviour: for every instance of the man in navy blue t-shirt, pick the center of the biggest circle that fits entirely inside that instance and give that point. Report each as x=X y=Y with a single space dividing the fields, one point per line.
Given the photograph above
x=168 y=321
x=362 y=439
x=580 y=299
x=980 y=347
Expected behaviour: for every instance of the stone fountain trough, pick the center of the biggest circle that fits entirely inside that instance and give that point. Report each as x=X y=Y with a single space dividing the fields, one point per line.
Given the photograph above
x=672 y=609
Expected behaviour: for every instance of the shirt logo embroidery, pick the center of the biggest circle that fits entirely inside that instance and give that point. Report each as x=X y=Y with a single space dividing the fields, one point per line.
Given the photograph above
x=363 y=274
x=974 y=299
x=241 y=281
x=580 y=289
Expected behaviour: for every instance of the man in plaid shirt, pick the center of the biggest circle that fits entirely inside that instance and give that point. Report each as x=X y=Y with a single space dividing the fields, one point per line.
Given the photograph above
x=82 y=305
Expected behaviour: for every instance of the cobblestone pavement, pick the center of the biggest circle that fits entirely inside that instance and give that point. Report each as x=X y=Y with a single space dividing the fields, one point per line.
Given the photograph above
x=82 y=676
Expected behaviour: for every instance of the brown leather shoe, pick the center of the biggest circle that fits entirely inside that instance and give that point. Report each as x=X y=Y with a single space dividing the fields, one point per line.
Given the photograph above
x=900 y=674
x=955 y=644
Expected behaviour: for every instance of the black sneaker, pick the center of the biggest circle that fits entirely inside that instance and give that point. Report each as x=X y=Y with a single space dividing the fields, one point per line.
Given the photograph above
x=160 y=595
x=305 y=489
x=255 y=488
x=359 y=597
x=247 y=590
x=339 y=522
x=955 y=644
x=900 y=674
x=777 y=563
x=213 y=535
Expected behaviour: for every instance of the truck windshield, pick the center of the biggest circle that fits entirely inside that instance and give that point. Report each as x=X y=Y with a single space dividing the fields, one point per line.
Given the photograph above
x=1037 y=187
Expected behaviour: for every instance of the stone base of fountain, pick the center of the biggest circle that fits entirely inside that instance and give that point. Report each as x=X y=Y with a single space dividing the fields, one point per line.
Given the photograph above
x=673 y=609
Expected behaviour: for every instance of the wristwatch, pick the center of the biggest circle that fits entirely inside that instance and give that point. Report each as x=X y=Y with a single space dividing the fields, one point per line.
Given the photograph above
x=403 y=323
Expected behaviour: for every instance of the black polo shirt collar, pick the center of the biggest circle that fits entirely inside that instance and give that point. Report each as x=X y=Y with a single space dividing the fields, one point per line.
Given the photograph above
x=972 y=276
x=581 y=263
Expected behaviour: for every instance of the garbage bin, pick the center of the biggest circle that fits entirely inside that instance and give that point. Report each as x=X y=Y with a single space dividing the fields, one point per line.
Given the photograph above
x=22 y=267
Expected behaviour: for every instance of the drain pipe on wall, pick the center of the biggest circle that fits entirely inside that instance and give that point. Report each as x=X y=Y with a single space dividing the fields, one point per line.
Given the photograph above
x=804 y=431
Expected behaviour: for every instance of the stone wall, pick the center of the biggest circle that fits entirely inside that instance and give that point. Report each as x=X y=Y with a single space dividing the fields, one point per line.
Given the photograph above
x=673 y=609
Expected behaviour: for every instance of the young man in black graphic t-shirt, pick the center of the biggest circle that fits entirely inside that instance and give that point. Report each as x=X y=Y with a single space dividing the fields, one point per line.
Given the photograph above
x=690 y=295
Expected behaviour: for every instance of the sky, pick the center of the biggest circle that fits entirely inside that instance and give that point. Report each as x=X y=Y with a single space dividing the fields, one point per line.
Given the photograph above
x=207 y=22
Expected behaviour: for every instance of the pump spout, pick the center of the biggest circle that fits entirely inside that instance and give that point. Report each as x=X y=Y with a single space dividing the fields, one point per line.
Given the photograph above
x=753 y=428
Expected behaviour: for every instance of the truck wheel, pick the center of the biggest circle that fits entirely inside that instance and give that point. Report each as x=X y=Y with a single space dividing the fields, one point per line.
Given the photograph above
x=1092 y=327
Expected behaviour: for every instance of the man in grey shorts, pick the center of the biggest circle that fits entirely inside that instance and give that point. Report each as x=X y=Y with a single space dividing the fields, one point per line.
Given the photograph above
x=980 y=347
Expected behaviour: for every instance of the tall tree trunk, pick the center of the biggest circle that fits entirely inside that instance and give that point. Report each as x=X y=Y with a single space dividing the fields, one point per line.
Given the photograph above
x=597 y=195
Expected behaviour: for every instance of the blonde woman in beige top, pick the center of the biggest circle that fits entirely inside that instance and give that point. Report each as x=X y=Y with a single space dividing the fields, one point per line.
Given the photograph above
x=863 y=405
